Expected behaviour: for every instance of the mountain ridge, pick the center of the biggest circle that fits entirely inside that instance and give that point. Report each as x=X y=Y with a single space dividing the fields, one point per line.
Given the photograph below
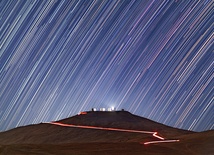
x=93 y=132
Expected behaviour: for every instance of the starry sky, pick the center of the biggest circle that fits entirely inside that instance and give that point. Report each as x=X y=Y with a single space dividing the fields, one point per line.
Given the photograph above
x=153 y=58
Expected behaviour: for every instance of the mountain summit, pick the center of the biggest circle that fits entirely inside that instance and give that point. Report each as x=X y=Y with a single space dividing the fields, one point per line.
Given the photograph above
x=91 y=132
x=121 y=119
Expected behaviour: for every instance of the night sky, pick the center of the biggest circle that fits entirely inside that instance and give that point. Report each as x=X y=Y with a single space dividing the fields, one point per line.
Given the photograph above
x=153 y=58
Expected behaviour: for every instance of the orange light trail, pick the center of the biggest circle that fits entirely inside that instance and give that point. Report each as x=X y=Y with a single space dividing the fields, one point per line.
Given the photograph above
x=154 y=134
x=164 y=141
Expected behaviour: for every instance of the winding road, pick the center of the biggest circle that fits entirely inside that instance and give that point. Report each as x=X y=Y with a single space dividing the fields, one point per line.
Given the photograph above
x=154 y=134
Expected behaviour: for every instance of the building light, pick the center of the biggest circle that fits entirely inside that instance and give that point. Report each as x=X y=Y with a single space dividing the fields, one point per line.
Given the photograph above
x=102 y=109
x=83 y=113
x=109 y=109
x=93 y=109
x=112 y=108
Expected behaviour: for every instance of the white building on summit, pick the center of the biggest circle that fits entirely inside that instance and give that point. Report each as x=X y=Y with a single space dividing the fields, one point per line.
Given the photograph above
x=104 y=109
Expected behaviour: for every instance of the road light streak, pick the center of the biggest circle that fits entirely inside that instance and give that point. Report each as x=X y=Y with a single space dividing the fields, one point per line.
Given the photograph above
x=104 y=128
x=154 y=134
x=159 y=137
x=164 y=141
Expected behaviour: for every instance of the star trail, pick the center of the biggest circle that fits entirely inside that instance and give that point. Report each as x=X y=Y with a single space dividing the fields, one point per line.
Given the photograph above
x=153 y=58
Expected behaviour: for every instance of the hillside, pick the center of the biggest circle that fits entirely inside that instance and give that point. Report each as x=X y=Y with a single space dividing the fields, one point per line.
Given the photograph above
x=76 y=135
x=49 y=133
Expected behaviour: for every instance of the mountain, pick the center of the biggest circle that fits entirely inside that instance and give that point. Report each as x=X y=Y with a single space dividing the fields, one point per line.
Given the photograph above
x=99 y=132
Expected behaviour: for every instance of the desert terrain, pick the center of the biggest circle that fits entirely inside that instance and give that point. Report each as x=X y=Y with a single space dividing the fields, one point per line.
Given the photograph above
x=96 y=133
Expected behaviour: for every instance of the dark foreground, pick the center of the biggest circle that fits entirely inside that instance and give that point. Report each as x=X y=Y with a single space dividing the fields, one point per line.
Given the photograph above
x=187 y=147
x=51 y=139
